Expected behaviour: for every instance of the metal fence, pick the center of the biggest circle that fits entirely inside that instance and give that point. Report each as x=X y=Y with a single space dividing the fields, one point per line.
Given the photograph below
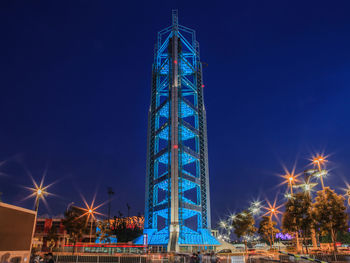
x=100 y=259
x=157 y=258
x=288 y=259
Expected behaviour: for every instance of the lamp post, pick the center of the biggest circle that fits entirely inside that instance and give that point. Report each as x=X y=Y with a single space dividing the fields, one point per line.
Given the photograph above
x=39 y=191
x=39 y=194
x=307 y=188
x=110 y=193
x=318 y=161
x=90 y=214
x=290 y=178
x=272 y=211
x=290 y=182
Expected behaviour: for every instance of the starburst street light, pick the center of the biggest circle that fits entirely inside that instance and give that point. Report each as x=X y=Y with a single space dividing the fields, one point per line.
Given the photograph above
x=289 y=196
x=39 y=191
x=272 y=210
x=318 y=161
x=347 y=192
x=307 y=187
x=233 y=217
x=255 y=207
x=90 y=211
x=223 y=224
x=254 y=210
x=243 y=214
x=255 y=204
x=290 y=178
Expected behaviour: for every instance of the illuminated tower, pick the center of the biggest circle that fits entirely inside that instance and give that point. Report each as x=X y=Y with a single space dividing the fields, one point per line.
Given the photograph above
x=177 y=210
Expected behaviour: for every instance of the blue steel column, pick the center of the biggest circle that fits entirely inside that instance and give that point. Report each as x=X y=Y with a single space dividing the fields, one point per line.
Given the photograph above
x=174 y=106
x=203 y=151
x=150 y=156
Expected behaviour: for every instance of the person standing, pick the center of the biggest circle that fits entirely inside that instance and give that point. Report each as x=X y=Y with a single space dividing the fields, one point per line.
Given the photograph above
x=213 y=257
x=49 y=258
x=200 y=257
x=194 y=258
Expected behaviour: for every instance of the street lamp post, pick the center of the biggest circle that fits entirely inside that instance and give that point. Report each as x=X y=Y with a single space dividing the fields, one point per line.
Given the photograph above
x=290 y=182
x=318 y=161
x=91 y=214
x=39 y=193
x=272 y=211
x=307 y=187
x=290 y=178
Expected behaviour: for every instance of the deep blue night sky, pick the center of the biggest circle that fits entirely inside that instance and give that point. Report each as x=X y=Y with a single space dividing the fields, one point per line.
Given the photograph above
x=75 y=87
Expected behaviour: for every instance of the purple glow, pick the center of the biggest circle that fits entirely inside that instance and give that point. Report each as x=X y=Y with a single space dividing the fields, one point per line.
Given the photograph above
x=284 y=236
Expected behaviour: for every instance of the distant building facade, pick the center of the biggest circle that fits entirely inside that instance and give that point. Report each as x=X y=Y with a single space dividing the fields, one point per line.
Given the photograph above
x=50 y=233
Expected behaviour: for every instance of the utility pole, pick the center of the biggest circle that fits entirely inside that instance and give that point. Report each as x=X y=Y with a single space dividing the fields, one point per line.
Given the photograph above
x=128 y=206
x=110 y=193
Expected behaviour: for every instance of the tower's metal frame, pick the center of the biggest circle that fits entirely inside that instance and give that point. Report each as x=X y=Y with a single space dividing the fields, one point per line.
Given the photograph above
x=177 y=180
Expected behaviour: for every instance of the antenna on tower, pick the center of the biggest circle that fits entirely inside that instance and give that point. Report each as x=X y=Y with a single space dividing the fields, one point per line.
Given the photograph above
x=175 y=18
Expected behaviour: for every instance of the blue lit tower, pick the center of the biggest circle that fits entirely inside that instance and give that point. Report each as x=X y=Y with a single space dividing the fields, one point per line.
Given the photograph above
x=177 y=211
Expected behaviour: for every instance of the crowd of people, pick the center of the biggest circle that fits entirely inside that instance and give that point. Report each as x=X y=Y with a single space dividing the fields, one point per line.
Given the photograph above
x=35 y=258
x=198 y=257
x=48 y=258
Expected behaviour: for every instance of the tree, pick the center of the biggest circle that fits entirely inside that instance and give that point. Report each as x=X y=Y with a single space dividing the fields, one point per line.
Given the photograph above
x=267 y=229
x=330 y=214
x=74 y=224
x=124 y=230
x=243 y=225
x=297 y=217
x=104 y=231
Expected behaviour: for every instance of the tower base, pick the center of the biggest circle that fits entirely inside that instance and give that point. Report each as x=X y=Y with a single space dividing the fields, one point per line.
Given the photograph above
x=188 y=241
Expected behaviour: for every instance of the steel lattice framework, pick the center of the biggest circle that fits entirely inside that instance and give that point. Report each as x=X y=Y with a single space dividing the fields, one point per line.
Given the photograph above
x=177 y=180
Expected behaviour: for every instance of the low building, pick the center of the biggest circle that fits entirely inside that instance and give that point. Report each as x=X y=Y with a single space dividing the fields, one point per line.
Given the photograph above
x=16 y=233
x=51 y=234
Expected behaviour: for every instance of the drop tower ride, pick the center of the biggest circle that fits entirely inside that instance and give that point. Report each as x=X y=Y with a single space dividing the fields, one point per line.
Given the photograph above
x=177 y=205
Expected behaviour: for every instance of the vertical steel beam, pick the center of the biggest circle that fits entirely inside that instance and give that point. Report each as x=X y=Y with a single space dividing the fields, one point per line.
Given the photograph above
x=174 y=104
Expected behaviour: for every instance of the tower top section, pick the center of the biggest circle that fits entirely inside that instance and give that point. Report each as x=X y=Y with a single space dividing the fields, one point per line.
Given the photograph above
x=186 y=36
x=175 y=19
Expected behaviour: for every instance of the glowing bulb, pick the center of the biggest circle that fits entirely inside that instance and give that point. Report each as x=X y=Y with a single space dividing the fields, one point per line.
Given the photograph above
x=223 y=224
x=90 y=211
x=39 y=191
x=319 y=160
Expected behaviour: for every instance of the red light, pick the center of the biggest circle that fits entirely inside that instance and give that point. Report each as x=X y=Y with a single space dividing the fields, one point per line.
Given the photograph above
x=202 y=85
x=176 y=146
x=103 y=245
x=175 y=61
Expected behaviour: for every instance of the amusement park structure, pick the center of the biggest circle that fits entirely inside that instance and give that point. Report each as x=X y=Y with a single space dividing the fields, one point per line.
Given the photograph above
x=177 y=205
